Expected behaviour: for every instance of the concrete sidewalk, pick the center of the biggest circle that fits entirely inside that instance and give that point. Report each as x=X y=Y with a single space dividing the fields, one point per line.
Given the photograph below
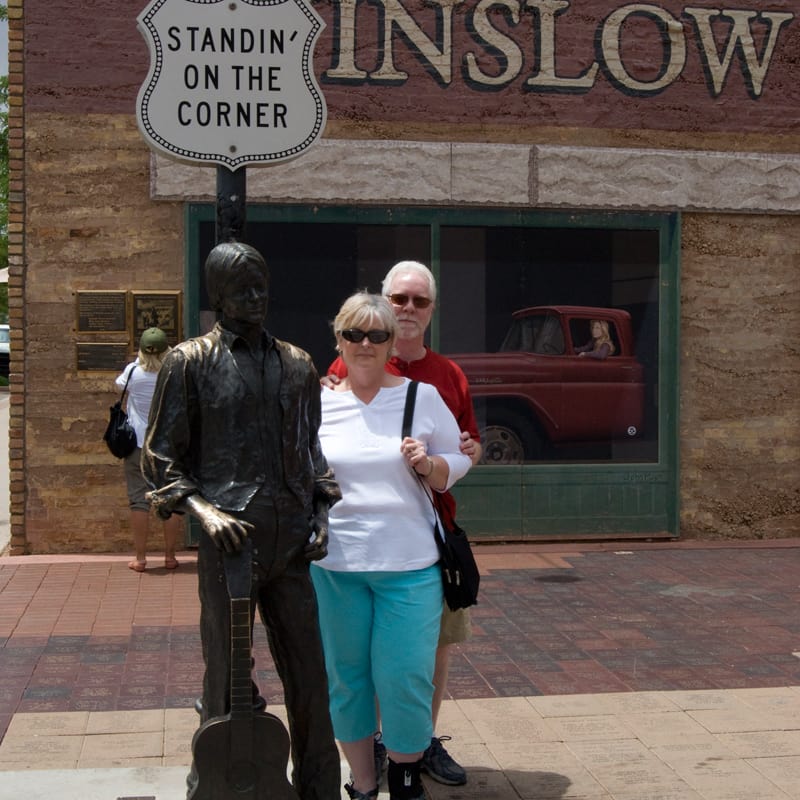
x=599 y=672
x=715 y=745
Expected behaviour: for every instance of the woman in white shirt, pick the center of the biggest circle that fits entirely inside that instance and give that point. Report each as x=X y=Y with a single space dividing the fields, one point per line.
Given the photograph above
x=379 y=588
x=142 y=374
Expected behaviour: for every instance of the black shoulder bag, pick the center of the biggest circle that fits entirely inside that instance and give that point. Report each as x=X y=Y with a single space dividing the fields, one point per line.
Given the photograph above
x=460 y=576
x=120 y=435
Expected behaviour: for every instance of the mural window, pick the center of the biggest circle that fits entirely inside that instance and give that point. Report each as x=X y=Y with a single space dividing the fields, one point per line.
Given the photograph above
x=517 y=311
x=517 y=303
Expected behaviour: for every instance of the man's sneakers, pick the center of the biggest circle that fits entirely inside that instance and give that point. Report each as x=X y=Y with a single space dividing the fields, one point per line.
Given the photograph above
x=440 y=765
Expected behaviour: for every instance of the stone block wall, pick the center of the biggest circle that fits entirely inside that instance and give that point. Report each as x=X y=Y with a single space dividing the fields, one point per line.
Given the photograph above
x=91 y=226
x=84 y=215
x=740 y=376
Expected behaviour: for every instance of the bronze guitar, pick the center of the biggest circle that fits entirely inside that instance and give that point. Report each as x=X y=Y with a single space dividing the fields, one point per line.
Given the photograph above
x=243 y=755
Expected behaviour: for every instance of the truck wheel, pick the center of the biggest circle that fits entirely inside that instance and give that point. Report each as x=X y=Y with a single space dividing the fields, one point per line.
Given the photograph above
x=509 y=439
x=501 y=446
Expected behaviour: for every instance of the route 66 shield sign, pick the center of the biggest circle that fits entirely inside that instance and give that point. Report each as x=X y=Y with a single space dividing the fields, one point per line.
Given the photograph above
x=231 y=81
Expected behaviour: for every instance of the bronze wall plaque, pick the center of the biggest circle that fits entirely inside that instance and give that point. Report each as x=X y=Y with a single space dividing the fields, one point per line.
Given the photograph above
x=102 y=356
x=102 y=312
x=157 y=310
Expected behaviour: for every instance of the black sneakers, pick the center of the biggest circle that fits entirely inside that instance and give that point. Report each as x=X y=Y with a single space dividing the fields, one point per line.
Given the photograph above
x=441 y=766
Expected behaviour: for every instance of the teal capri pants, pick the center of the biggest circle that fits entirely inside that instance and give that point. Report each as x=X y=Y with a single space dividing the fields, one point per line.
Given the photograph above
x=379 y=633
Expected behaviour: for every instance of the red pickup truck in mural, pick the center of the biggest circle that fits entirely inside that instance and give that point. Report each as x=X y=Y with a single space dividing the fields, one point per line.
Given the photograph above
x=536 y=393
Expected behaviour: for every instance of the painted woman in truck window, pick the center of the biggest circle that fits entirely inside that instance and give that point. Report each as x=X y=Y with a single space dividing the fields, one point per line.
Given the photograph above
x=600 y=345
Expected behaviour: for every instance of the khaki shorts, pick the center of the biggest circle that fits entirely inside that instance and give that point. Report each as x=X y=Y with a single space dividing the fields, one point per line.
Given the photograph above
x=135 y=482
x=456 y=626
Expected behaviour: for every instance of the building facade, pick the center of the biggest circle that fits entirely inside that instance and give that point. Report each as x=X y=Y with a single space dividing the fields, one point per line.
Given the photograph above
x=641 y=156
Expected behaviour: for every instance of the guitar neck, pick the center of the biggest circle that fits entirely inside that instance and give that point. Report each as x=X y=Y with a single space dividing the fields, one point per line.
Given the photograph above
x=238 y=572
x=241 y=659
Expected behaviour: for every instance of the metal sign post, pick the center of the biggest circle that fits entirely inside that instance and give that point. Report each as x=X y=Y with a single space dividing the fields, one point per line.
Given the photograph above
x=231 y=83
x=231 y=204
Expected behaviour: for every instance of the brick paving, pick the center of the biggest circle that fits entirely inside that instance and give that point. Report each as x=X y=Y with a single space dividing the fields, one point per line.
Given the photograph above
x=596 y=672
x=87 y=634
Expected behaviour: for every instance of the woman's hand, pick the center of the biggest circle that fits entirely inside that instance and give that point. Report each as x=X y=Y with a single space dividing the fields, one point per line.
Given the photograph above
x=416 y=455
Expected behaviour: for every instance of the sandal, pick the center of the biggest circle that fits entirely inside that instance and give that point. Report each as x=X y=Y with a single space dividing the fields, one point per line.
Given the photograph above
x=137 y=566
x=171 y=563
x=356 y=795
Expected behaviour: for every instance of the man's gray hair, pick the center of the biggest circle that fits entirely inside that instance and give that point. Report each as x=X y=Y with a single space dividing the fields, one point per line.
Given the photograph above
x=405 y=267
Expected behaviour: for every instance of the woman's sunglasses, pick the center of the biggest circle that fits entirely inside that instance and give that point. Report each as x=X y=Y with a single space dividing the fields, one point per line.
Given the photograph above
x=402 y=299
x=356 y=336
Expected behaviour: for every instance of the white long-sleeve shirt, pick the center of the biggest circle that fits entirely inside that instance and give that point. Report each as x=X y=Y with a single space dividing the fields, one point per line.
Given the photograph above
x=384 y=522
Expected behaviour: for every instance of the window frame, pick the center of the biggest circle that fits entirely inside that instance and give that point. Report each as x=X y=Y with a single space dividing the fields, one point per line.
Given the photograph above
x=530 y=501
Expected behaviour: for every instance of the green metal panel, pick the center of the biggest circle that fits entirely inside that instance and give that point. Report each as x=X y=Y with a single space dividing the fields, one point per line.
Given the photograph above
x=582 y=501
x=550 y=501
x=192 y=275
x=541 y=501
x=490 y=501
x=669 y=359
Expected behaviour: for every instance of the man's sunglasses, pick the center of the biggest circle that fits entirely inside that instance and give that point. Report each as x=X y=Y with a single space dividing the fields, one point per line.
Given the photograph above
x=356 y=336
x=402 y=299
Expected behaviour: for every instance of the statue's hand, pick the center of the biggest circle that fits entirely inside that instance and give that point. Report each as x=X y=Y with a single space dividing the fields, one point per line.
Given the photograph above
x=317 y=547
x=226 y=531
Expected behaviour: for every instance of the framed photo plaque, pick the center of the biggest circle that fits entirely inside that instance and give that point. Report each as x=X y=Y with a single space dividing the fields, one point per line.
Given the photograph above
x=157 y=310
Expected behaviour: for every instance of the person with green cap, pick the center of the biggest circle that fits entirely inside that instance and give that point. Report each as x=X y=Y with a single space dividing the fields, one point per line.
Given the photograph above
x=140 y=376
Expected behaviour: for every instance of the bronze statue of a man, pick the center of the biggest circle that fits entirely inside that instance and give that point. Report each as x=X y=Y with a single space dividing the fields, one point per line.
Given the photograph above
x=233 y=441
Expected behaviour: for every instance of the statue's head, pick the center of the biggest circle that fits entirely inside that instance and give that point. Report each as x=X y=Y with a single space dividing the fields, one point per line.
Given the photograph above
x=227 y=264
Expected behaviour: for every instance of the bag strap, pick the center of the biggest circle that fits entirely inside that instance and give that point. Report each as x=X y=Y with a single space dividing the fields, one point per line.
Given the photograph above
x=128 y=380
x=408 y=418
x=408 y=411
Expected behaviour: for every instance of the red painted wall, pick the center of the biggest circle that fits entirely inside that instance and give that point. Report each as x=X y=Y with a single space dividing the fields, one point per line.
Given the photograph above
x=90 y=58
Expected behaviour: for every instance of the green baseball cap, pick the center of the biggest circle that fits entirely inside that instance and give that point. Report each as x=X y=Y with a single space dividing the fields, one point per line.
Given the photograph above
x=153 y=340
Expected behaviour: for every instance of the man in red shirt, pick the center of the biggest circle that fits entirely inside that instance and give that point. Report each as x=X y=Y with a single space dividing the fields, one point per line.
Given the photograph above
x=411 y=289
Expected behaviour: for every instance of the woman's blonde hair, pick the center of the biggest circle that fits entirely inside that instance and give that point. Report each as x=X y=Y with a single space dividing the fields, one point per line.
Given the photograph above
x=360 y=309
x=151 y=362
x=605 y=336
